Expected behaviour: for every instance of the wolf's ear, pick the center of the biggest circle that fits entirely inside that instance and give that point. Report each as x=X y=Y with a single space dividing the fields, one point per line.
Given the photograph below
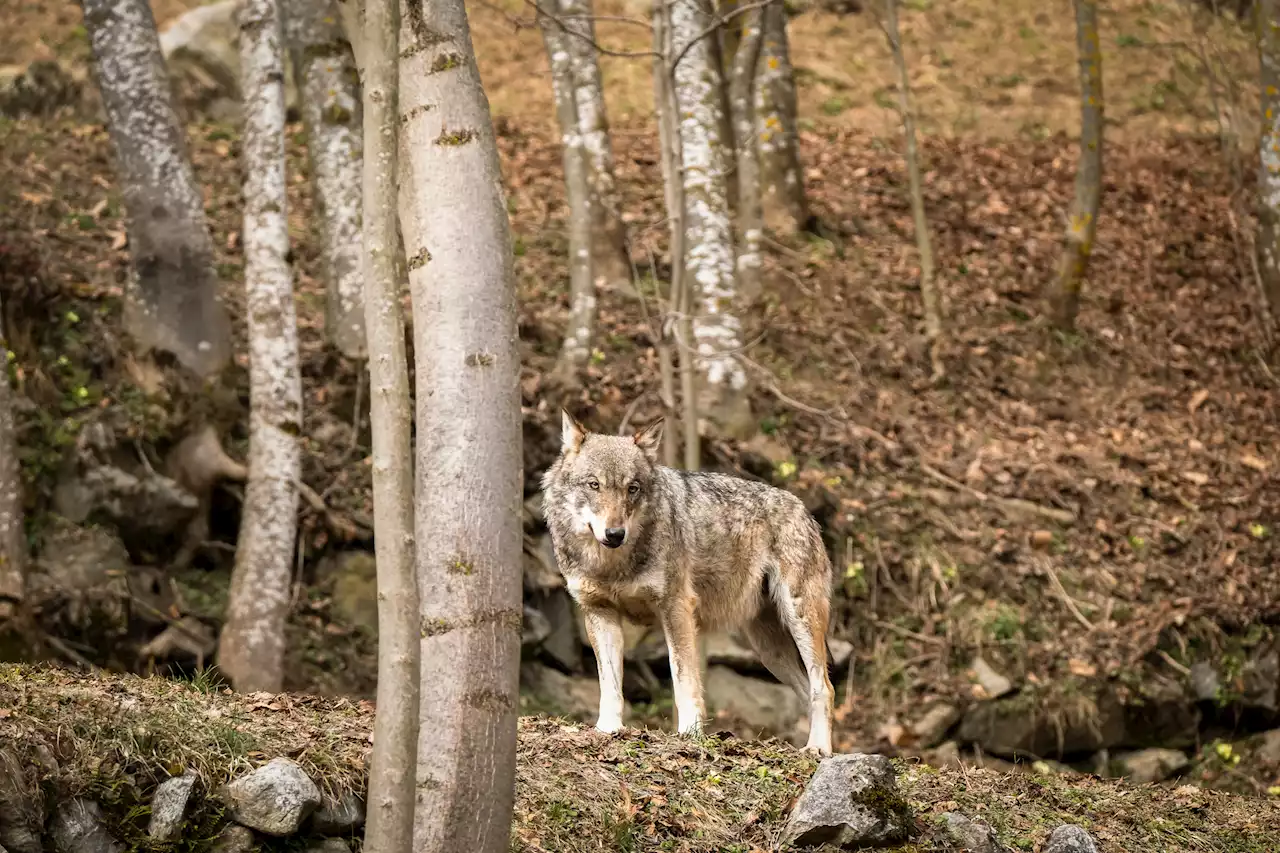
x=649 y=439
x=572 y=433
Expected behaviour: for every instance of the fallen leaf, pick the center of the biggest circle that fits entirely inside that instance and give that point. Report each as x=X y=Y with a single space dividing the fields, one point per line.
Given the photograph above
x=1251 y=461
x=1197 y=400
x=34 y=198
x=1084 y=669
x=1195 y=477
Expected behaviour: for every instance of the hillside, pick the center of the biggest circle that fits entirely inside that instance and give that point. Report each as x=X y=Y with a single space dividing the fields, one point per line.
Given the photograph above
x=1093 y=514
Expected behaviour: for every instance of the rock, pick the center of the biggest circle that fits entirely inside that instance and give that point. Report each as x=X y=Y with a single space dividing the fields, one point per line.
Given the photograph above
x=81 y=582
x=201 y=52
x=841 y=651
x=37 y=90
x=1269 y=750
x=329 y=845
x=1205 y=683
x=1069 y=839
x=1152 y=765
x=78 y=827
x=234 y=839
x=274 y=799
x=1260 y=680
x=562 y=645
x=355 y=590
x=725 y=649
x=947 y=755
x=1016 y=727
x=540 y=566
x=534 y=628
x=759 y=705
x=972 y=836
x=851 y=801
x=339 y=817
x=169 y=806
x=931 y=728
x=534 y=513
x=21 y=805
x=993 y=684
x=143 y=504
x=1162 y=715
x=576 y=698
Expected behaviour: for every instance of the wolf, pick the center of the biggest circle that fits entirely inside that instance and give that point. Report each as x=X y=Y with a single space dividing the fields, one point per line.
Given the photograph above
x=693 y=552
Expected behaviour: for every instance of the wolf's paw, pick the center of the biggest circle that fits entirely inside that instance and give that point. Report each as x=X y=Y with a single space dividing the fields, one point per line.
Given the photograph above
x=609 y=725
x=818 y=750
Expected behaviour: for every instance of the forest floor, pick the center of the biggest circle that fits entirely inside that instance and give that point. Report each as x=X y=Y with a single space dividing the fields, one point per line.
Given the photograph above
x=114 y=738
x=1141 y=447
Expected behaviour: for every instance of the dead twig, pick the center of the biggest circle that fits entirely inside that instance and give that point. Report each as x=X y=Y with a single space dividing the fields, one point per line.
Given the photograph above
x=906 y=632
x=1009 y=505
x=1062 y=593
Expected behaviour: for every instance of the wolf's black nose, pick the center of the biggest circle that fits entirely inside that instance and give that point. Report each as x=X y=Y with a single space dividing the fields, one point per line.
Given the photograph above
x=613 y=536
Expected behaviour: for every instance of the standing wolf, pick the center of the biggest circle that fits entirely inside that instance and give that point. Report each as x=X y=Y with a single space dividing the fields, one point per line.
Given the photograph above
x=694 y=552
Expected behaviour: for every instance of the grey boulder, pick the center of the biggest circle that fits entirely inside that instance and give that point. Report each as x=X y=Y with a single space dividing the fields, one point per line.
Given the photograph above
x=78 y=828
x=852 y=801
x=1070 y=839
x=274 y=799
x=169 y=806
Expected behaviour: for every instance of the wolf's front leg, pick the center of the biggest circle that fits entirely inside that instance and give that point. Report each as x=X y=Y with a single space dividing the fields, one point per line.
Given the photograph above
x=604 y=631
x=681 y=628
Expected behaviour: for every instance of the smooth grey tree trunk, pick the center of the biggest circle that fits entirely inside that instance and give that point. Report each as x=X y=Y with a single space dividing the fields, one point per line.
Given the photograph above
x=1268 y=20
x=329 y=93
x=786 y=209
x=171 y=299
x=394 y=763
x=252 y=646
x=580 y=334
x=746 y=56
x=469 y=462
x=13 y=537
x=708 y=229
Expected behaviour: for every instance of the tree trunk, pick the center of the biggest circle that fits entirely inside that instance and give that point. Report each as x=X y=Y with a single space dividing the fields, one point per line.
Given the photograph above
x=928 y=287
x=708 y=232
x=610 y=257
x=786 y=210
x=252 y=644
x=13 y=537
x=1268 y=19
x=750 y=211
x=579 y=336
x=393 y=768
x=469 y=452
x=172 y=295
x=1065 y=297
x=329 y=92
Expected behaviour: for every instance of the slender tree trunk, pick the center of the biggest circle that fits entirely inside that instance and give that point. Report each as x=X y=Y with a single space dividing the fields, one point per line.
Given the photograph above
x=928 y=287
x=708 y=231
x=579 y=336
x=469 y=457
x=329 y=91
x=786 y=211
x=172 y=295
x=610 y=256
x=1268 y=21
x=741 y=91
x=252 y=644
x=13 y=537
x=1065 y=296
x=393 y=769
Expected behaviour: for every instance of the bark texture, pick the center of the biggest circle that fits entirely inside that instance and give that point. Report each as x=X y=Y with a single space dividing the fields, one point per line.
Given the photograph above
x=172 y=295
x=329 y=92
x=708 y=230
x=578 y=338
x=1065 y=297
x=781 y=184
x=393 y=766
x=13 y=538
x=469 y=451
x=610 y=258
x=746 y=55
x=924 y=245
x=251 y=651
x=1268 y=20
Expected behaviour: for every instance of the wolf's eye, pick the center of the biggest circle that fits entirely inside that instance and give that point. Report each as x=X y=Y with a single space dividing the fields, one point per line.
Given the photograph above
x=594 y=484
x=633 y=489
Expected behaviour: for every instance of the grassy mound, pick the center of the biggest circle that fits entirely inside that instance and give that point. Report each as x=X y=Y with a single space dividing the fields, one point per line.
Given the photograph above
x=114 y=737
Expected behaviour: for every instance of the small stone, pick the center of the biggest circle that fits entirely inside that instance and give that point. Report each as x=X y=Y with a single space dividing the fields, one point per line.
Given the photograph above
x=78 y=828
x=993 y=683
x=851 y=801
x=947 y=755
x=1270 y=748
x=931 y=728
x=1070 y=839
x=1153 y=765
x=169 y=806
x=339 y=817
x=1204 y=681
x=972 y=836
x=841 y=651
x=234 y=839
x=329 y=845
x=534 y=628
x=274 y=799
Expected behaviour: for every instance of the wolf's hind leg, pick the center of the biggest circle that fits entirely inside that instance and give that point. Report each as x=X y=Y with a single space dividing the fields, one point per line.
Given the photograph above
x=604 y=632
x=806 y=616
x=772 y=643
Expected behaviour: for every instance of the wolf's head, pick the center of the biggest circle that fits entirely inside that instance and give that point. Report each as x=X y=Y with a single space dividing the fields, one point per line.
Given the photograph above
x=604 y=481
